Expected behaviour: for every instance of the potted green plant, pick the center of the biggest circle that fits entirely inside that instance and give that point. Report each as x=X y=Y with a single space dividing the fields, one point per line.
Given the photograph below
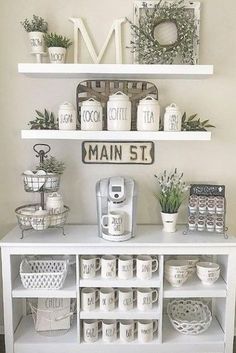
x=43 y=121
x=57 y=46
x=36 y=28
x=54 y=169
x=171 y=195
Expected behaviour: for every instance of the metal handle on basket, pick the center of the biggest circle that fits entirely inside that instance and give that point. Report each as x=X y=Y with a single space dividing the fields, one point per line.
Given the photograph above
x=64 y=316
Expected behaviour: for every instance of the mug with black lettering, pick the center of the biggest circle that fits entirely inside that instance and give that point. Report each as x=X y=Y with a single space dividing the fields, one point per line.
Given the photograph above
x=108 y=266
x=127 y=330
x=91 y=115
x=127 y=296
x=109 y=331
x=89 y=297
x=115 y=224
x=146 y=329
x=145 y=266
x=108 y=298
x=145 y=298
x=91 y=330
x=89 y=265
x=126 y=266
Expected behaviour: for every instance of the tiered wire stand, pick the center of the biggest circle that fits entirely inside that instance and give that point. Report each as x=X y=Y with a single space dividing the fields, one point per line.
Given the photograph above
x=42 y=184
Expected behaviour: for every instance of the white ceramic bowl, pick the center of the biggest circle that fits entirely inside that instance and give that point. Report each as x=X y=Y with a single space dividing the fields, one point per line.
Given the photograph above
x=208 y=280
x=176 y=265
x=192 y=260
x=207 y=267
x=176 y=282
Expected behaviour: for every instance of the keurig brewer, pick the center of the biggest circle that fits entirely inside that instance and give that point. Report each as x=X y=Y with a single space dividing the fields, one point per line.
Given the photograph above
x=116 y=208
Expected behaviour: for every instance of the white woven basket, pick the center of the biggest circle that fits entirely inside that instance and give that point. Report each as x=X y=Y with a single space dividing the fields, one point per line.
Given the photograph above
x=43 y=274
x=189 y=317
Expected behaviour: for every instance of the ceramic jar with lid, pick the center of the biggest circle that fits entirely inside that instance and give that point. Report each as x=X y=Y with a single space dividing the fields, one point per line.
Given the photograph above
x=91 y=115
x=148 y=114
x=172 y=118
x=54 y=204
x=119 y=112
x=40 y=219
x=67 y=116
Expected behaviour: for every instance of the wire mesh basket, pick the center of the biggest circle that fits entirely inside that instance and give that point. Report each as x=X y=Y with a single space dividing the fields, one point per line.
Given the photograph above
x=52 y=316
x=189 y=317
x=36 y=182
x=28 y=220
x=43 y=274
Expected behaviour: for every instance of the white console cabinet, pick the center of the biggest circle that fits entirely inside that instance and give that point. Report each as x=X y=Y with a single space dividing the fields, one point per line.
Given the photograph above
x=19 y=328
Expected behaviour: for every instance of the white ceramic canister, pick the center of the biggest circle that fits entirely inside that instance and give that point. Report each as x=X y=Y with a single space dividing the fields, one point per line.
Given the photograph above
x=91 y=115
x=172 y=118
x=119 y=112
x=54 y=204
x=67 y=116
x=148 y=114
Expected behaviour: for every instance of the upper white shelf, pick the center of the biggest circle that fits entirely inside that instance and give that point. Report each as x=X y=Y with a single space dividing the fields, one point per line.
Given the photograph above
x=117 y=135
x=119 y=71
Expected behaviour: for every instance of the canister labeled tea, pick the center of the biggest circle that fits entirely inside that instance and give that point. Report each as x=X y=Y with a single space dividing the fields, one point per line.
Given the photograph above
x=67 y=117
x=119 y=112
x=148 y=114
x=91 y=115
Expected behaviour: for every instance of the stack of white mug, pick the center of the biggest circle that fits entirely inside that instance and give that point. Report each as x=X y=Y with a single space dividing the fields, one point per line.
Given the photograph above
x=127 y=329
x=144 y=265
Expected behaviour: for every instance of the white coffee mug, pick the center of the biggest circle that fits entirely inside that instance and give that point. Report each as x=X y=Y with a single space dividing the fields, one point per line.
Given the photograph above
x=89 y=266
x=91 y=330
x=146 y=328
x=126 y=267
x=146 y=265
x=145 y=298
x=115 y=222
x=127 y=296
x=89 y=297
x=127 y=330
x=108 y=298
x=108 y=266
x=109 y=330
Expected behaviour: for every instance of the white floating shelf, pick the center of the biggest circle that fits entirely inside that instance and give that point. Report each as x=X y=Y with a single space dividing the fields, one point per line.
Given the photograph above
x=194 y=288
x=68 y=290
x=119 y=71
x=212 y=340
x=117 y=135
x=134 y=314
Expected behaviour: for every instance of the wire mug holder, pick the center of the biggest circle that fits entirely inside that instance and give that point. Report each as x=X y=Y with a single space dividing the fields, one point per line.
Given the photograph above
x=41 y=183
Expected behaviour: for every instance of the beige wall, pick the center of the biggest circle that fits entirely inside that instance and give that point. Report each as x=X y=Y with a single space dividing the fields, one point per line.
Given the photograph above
x=19 y=96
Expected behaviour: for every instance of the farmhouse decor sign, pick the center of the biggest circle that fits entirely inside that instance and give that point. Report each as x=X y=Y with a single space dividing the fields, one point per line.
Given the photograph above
x=118 y=152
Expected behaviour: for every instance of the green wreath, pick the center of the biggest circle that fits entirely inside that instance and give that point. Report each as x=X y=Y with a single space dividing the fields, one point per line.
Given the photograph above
x=149 y=50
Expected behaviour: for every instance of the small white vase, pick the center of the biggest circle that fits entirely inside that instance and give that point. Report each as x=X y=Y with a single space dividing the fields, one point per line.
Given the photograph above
x=169 y=222
x=57 y=55
x=37 y=42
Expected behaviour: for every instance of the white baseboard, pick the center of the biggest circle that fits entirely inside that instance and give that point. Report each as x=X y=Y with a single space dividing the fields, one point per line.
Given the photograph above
x=1 y=329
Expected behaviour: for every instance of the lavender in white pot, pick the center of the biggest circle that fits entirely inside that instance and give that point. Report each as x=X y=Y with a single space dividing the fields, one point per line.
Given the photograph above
x=36 y=28
x=172 y=193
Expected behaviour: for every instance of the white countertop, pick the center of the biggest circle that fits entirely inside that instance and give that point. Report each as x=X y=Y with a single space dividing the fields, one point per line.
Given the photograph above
x=86 y=235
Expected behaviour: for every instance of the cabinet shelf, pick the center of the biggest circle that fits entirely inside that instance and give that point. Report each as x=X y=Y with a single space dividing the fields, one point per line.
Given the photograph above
x=117 y=135
x=98 y=282
x=119 y=71
x=134 y=314
x=194 y=288
x=67 y=291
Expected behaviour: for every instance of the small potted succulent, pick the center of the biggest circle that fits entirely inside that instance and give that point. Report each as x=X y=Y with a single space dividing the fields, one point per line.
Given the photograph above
x=53 y=169
x=57 y=46
x=36 y=28
x=172 y=193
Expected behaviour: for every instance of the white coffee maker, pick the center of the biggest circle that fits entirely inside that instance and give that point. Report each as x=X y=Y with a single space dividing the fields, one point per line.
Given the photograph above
x=116 y=196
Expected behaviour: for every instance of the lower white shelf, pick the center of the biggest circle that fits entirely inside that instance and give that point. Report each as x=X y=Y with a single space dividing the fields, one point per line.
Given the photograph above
x=117 y=314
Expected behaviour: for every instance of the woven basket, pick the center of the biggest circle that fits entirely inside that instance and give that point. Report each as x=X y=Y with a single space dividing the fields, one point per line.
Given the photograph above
x=189 y=317
x=43 y=274
x=35 y=183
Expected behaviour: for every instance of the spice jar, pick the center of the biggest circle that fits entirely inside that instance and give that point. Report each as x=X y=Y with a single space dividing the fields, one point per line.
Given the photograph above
x=172 y=118
x=67 y=117
x=119 y=112
x=148 y=114
x=91 y=115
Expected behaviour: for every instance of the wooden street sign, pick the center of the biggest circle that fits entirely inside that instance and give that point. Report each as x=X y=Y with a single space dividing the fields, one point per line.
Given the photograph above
x=118 y=152
x=207 y=190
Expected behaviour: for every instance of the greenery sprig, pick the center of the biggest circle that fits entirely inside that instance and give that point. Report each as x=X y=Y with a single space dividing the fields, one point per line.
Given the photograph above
x=37 y=24
x=194 y=124
x=172 y=191
x=43 y=121
x=55 y=40
x=52 y=165
x=147 y=47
